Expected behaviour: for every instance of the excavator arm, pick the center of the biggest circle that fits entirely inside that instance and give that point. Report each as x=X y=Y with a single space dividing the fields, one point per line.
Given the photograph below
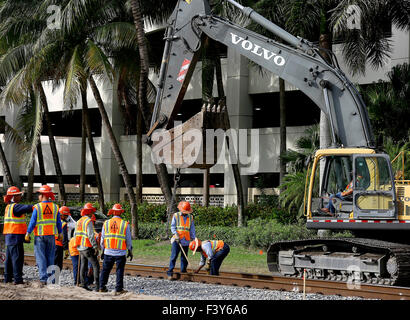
x=300 y=63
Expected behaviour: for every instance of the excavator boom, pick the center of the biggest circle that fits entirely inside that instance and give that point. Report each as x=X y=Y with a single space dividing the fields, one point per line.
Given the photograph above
x=300 y=64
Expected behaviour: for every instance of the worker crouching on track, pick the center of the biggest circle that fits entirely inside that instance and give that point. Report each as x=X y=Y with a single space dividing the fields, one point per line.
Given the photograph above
x=61 y=251
x=14 y=230
x=115 y=241
x=213 y=252
x=87 y=245
x=183 y=230
x=46 y=223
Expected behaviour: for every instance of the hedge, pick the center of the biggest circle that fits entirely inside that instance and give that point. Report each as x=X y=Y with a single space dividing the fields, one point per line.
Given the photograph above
x=212 y=216
x=259 y=233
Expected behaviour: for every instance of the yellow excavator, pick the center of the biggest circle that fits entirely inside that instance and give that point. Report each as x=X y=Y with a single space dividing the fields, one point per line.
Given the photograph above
x=377 y=211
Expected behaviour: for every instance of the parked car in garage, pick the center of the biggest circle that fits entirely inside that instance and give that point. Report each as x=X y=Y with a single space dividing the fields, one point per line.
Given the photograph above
x=76 y=215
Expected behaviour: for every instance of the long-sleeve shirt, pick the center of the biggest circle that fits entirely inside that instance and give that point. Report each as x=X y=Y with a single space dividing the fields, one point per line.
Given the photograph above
x=117 y=252
x=18 y=211
x=33 y=221
x=91 y=237
x=183 y=241
x=207 y=248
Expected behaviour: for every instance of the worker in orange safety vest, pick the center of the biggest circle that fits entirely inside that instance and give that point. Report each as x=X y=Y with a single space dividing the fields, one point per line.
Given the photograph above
x=87 y=245
x=115 y=241
x=213 y=252
x=183 y=230
x=14 y=230
x=46 y=223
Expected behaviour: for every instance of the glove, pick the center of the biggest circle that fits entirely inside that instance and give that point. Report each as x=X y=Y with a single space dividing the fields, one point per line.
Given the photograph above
x=208 y=265
x=60 y=237
x=27 y=238
x=130 y=255
x=174 y=238
x=66 y=254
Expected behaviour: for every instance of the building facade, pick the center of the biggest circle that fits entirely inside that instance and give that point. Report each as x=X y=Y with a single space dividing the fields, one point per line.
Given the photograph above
x=253 y=105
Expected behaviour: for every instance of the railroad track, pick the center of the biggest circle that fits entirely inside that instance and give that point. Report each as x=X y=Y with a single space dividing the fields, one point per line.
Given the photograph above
x=264 y=282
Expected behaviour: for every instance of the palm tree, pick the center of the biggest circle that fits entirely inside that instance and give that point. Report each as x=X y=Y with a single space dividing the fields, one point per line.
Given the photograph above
x=392 y=95
x=137 y=13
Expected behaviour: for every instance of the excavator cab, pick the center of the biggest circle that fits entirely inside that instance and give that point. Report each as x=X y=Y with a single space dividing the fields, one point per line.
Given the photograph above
x=368 y=174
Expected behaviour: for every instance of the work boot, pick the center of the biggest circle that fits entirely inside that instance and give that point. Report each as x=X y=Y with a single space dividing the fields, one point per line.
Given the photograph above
x=104 y=289
x=117 y=293
x=84 y=287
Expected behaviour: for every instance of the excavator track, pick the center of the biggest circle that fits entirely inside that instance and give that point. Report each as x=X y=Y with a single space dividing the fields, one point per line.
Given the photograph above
x=342 y=259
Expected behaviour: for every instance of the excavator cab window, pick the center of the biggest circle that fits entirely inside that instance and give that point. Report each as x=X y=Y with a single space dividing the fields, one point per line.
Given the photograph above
x=374 y=193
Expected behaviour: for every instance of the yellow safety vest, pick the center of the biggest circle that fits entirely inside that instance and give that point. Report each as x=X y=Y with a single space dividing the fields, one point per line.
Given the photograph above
x=182 y=227
x=81 y=237
x=115 y=233
x=13 y=224
x=46 y=219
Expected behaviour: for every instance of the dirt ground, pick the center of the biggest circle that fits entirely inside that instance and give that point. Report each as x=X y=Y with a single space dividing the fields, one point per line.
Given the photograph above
x=34 y=291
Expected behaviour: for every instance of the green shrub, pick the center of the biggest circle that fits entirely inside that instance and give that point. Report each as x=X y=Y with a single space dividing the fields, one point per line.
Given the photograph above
x=258 y=234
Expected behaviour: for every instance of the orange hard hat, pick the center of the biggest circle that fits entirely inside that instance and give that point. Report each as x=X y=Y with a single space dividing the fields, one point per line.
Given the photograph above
x=64 y=211
x=13 y=191
x=116 y=210
x=185 y=207
x=194 y=244
x=47 y=191
x=88 y=208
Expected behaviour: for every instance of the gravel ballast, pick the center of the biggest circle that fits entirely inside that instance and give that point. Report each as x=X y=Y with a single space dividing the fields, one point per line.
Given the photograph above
x=183 y=290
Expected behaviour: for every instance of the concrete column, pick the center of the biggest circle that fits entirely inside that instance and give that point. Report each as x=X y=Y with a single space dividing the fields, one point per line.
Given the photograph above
x=240 y=115
x=110 y=174
x=11 y=151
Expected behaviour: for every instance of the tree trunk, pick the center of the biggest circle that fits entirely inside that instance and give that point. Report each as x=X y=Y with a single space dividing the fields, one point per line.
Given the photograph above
x=282 y=103
x=161 y=169
x=53 y=147
x=83 y=158
x=208 y=74
x=30 y=182
x=92 y=151
x=235 y=166
x=118 y=156
x=139 y=158
x=205 y=201
x=41 y=167
x=6 y=169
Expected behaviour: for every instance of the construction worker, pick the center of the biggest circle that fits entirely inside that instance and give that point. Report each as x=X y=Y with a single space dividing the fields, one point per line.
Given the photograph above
x=87 y=246
x=14 y=230
x=183 y=230
x=115 y=241
x=74 y=254
x=213 y=252
x=46 y=223
x=61 y=251
x=89 y=276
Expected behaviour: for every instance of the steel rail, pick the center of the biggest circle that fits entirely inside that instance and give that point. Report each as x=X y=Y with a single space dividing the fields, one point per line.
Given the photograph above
x=261 y=281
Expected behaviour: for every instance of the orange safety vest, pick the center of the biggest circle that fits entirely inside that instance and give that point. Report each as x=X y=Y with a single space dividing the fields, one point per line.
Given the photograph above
x=115 y=234
x=183 y=228
x=81 y=237
x=13 y=224
x=216 y=245
x=72 y=246
x=46 y=219
x=60 y=243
